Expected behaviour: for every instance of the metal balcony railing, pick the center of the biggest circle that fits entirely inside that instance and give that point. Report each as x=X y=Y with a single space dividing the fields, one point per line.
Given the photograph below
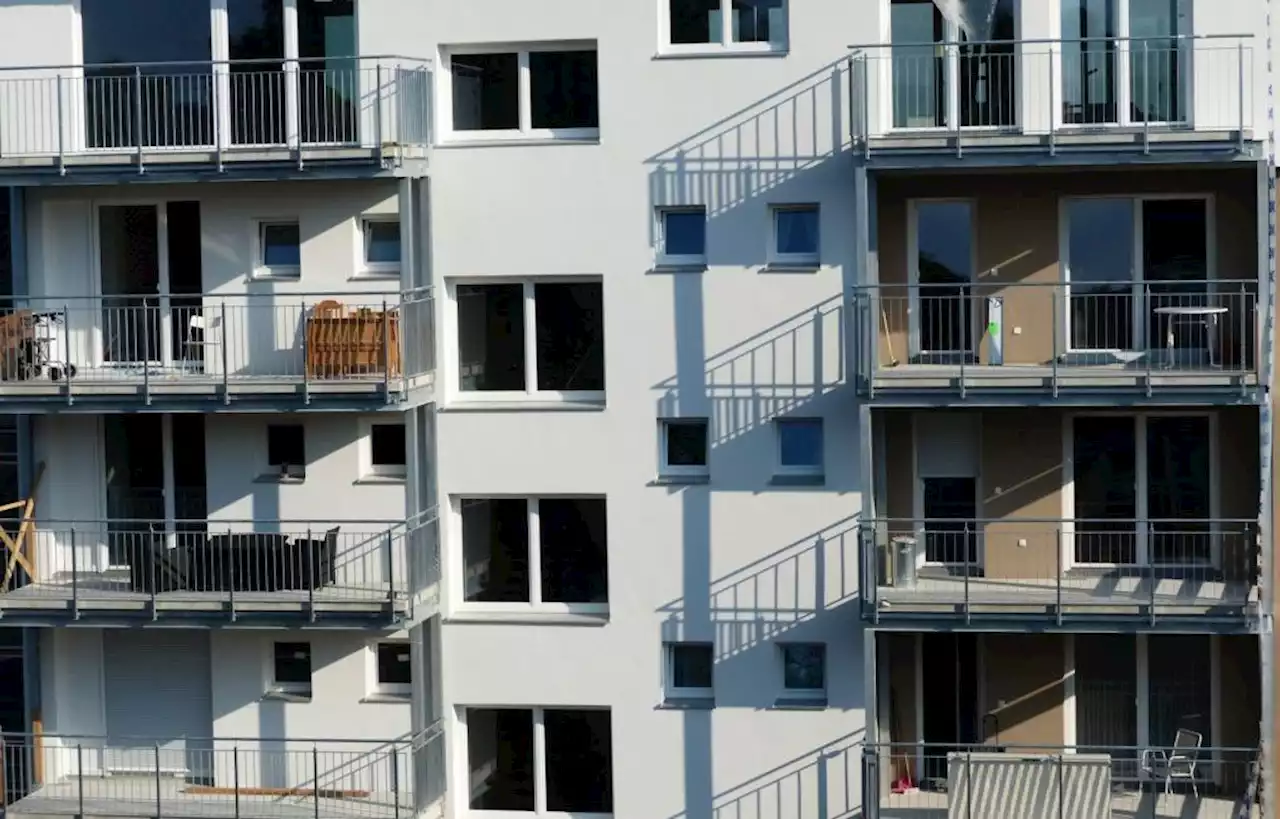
x=1126 y=332
x=228 y=344
x=1060 y=568
x=984 y=781
x=215 y=112
x=1063 y=90
x=235 y=778
x=183 y=567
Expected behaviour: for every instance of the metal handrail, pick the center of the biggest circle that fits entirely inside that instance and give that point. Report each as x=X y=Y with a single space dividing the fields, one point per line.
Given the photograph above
x=267 y=61
x=1056 y=41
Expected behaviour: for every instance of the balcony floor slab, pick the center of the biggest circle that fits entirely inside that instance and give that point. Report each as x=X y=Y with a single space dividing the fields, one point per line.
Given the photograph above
x=1125 y=804
x=1041 y=378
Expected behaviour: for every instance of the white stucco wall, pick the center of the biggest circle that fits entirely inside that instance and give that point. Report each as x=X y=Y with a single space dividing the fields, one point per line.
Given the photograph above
x=737 y=561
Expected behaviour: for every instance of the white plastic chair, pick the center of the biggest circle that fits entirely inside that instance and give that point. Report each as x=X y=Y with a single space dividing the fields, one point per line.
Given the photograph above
x=1179 y=764
x=197 y=339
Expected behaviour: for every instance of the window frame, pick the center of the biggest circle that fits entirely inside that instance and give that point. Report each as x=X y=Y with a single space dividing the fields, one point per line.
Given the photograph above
x=669 y=688
x=374 y=686
x=800 y=260
x=797 y=470
x=535 y=604
x=298 y=690
x=685 y=471
x=806 y=694
x=462 y=769
x=727 y=46
x=688 y=260
x=264 y=271
x=375 y=270
x=530 y=391
x=525 y=131
x=368 y=469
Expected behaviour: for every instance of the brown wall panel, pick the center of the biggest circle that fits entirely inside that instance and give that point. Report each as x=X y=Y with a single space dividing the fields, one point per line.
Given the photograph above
x=1025 y=688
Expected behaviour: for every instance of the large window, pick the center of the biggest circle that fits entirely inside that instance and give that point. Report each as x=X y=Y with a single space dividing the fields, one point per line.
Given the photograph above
x=535 y=554
x=533 y=338
x=527 y=93
x=539 y=760
x=692 y=26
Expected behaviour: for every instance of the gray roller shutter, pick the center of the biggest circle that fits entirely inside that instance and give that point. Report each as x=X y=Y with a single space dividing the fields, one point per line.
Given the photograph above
x=158 y=692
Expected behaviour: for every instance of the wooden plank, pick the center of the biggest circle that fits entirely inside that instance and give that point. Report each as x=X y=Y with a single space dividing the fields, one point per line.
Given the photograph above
x=37 y=735
x=15 y=545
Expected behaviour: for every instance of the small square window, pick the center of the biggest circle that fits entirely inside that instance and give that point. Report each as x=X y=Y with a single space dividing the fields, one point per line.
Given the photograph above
x=381 y=239
x=682 y=237
x=684 y=447
x=386 y=443
x=286 y=450
x=753 y=25
x=795 y=236
x=690 y=670
x=800 y=446
x=291 y=668
x=804 y=669
x=279 y=249
x=392 y=669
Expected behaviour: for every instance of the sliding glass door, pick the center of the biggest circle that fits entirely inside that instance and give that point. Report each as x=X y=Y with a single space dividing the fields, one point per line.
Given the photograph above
x=942 y=268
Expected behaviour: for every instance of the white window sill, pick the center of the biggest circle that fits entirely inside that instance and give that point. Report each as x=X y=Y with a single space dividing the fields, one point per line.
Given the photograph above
x=494 y=139
x=276 y=274
x=282 y=695
x=703 y=51
x=272 y=477
x=468 y=614
x=374 y=480
x=671 y=267
x=386 y=698
x=791 y=267
x=375 y=274
x=815 y=701
x=798 y=479
x=682 y=480
x=688 y=702
x=470 y=402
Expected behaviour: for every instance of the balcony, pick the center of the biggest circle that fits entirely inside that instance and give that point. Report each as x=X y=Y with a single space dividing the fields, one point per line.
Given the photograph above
x=362 y=351
x=1056 y=782
x=197 y=572
x=358 y=115
x=1144 y=95
x=1193 y=341
x=213 y=778
x=1196 y=574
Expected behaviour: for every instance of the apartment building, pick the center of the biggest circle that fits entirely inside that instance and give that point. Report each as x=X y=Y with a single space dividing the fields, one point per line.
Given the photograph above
x=679 y=409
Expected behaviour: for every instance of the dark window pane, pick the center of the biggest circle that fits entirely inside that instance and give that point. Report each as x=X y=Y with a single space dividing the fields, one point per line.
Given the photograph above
x=486 y=92
x=281 y=245
x=804 y=667
x=293 y=663
x=684 y=233
x=579 y=761
x=758 y=21
x=286 y=445
x=950 y=506
x=696 y=21
x=800 y=442
x=687 y=443
x=491 y=337
x=382 y=242
x=570 y=336
x=257 y=88
x=574 y=550
x=500 y=758
x=1106 y=496
x=495 y=550
x=562 y=87
x=328 y=80
x=386 y=445
x=691 y=665
x=393 y=664
x=797 y=231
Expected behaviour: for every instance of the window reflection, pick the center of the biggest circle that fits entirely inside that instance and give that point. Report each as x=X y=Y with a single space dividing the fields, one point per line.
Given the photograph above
x=329 y=78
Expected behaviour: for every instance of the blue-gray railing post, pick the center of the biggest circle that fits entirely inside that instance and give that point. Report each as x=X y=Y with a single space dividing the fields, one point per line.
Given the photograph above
x=146 y=351
x=311 y=576
x=966 y=301
x=395 y=782
x=80 y=780
x=153 y=571
x=866 y=107
x=1053 y=318
x=222 y=344
x=391 y=572
x=1242 y=331
x=159 y=812
x=968 y=613
x=1146 y=332
x=137 y=115
x=315 y=766
x=377 y=111
x=1058 y=583
x=306 y=361
x=235 y=779
x=62 y=150
x=216 y=114
x=66 y=346
x=75 y=578
x=1240 y=92
x=1061 y=784
x=1146 y=529
x=1053 y=106
x=851 y=101
x=386 y=352
x=230 y=568
x=1146 y=98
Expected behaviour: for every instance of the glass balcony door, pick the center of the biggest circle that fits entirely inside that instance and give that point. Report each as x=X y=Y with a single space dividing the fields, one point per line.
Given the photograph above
x=943 y=319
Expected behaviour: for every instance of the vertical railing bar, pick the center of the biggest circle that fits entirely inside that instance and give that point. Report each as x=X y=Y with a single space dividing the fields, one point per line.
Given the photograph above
x=309 y=556
x=159 y=812
x=315 y=766
x=1240 y=94
x=223 y=342
x=306 y=361
x=1056 y=349
x=66 y=346
x=62 y=152
x=377 y=113
x=75 y=579
x=137 y=117
x=1146 y=98
x=80 y=780
x=1059 y=545
x=1053 y=106
x=235 y=779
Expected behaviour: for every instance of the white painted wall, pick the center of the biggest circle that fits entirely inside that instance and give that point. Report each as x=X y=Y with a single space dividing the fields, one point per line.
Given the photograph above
x=736 y=561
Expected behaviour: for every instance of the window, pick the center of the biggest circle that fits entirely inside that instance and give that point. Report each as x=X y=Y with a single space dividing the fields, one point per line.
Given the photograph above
x=690 y=671
x=383 y=450
x=800 y=446
x=572 y=748
x=795 y=236
x=700 y=25
x=543 y=339
x=682 y=237
x=392 y=669
x=291 y=669
x=534 y=93
x=286 y=450
x=279 y=250
x=804 y=670
x=684 y=447
x=380 y=247
x=545 y=554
